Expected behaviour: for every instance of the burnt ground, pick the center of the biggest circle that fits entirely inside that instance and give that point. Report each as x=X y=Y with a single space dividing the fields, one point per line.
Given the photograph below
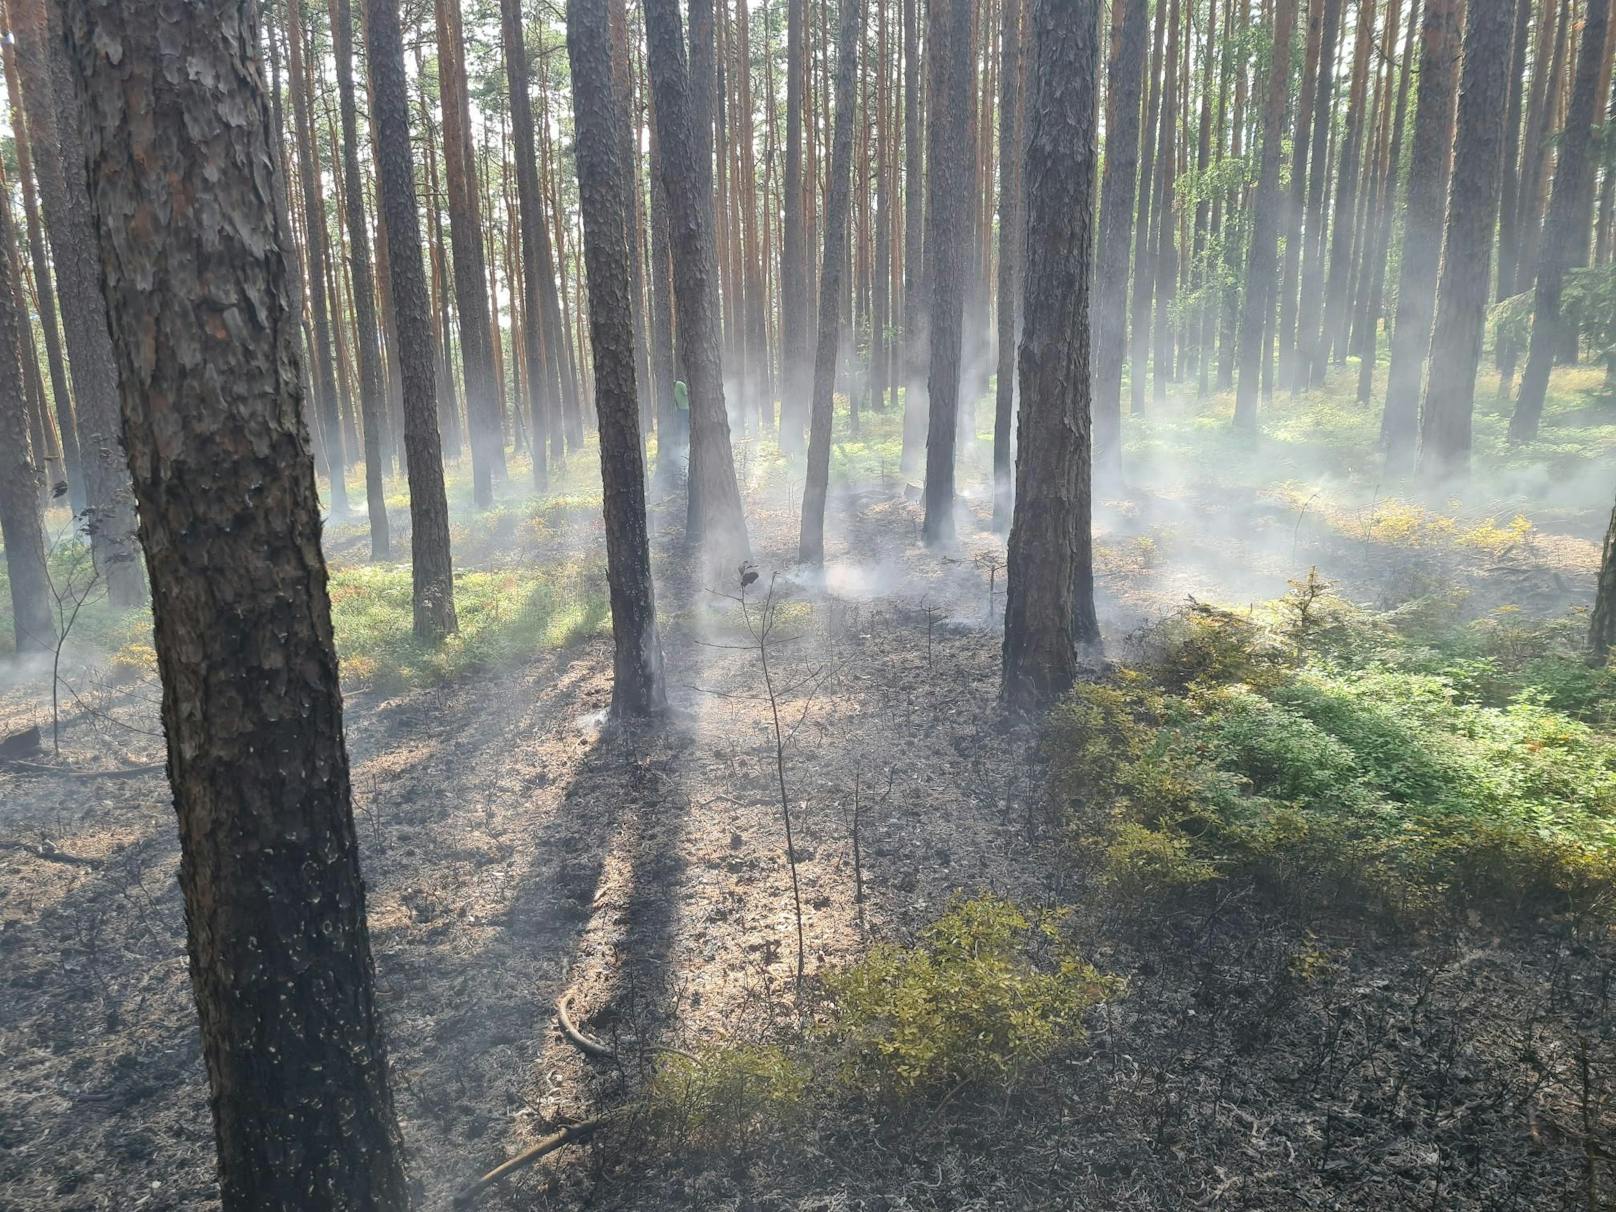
x=1259 y=1059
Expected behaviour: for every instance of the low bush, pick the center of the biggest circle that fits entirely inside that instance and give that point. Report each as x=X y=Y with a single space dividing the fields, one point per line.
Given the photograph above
x=1313 y=747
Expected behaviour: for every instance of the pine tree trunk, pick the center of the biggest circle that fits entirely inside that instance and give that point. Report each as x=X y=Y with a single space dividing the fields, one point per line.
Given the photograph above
x=948 y=183
x=540 y=323
x=47 y=91
x=794 y=250
x=327 y=407
x=1462 y=294
x=1049 y=607
x=1165 y=258
x=1260 y=264
x=1130 y=41
x=811 y=542
x=1144 y=257
x=1568 y=211
x=714 y=521
x=1374 y=305
x=637 y=689
x=1012 y=245
x=1333 y=336
x=470 y=264
x=1422 y=230
x=1509 y=200
x=44 y=280
x=33 y=626
x=1310 y=303
x=1602 y=627
x=200 y=317
x=372 y=398
x=916 y=341
x=430 y=560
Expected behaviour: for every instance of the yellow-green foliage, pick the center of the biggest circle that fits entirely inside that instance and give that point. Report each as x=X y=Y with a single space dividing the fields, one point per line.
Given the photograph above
x=505 y=617
x=1473 y=765
x=987 y=991
x=725 y=1099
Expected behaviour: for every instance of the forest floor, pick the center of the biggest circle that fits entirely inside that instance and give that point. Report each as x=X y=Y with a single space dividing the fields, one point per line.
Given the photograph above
x=515 y=855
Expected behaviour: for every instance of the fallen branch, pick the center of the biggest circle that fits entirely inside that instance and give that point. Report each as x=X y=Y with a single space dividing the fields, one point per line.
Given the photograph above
x=584 y=1043
x=556 y=1140
x=51 y=854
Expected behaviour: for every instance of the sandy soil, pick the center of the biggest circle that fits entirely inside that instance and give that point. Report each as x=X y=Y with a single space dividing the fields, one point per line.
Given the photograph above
x=514 y=855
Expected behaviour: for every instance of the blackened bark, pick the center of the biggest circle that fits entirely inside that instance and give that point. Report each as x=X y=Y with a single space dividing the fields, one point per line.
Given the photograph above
x=367 y=336
x=540 y=325
x=811 y=542
x=948 y=216
x=1260 y=262
x=1422 y=230
x=431 y=565
x=33 y=627
x=198 y=302
x=1568 y=209
x=637 y=689
x=1124 y=84
x=1012 y=244
x=470 y=263
x=1462 y=295
x=47 y=90
x=1049 y=607
x=713 y=518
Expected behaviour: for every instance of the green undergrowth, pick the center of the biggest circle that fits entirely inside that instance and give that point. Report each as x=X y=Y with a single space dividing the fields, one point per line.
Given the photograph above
x=1389 y=760
x=505 y=616
x=989 y=992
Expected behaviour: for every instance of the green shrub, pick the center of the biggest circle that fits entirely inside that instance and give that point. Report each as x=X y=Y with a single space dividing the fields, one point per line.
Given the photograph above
x=726 y=1099
x=1469 y=765
x=987 y=991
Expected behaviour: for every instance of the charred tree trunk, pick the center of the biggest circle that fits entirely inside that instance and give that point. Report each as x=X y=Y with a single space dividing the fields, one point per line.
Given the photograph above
x=430 y=561
x=1422 y=230
x=1568 y=211
x=811 y=543
x=637 y=690
x=1461 y=308
x=1049 y=608
x=198 y=301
